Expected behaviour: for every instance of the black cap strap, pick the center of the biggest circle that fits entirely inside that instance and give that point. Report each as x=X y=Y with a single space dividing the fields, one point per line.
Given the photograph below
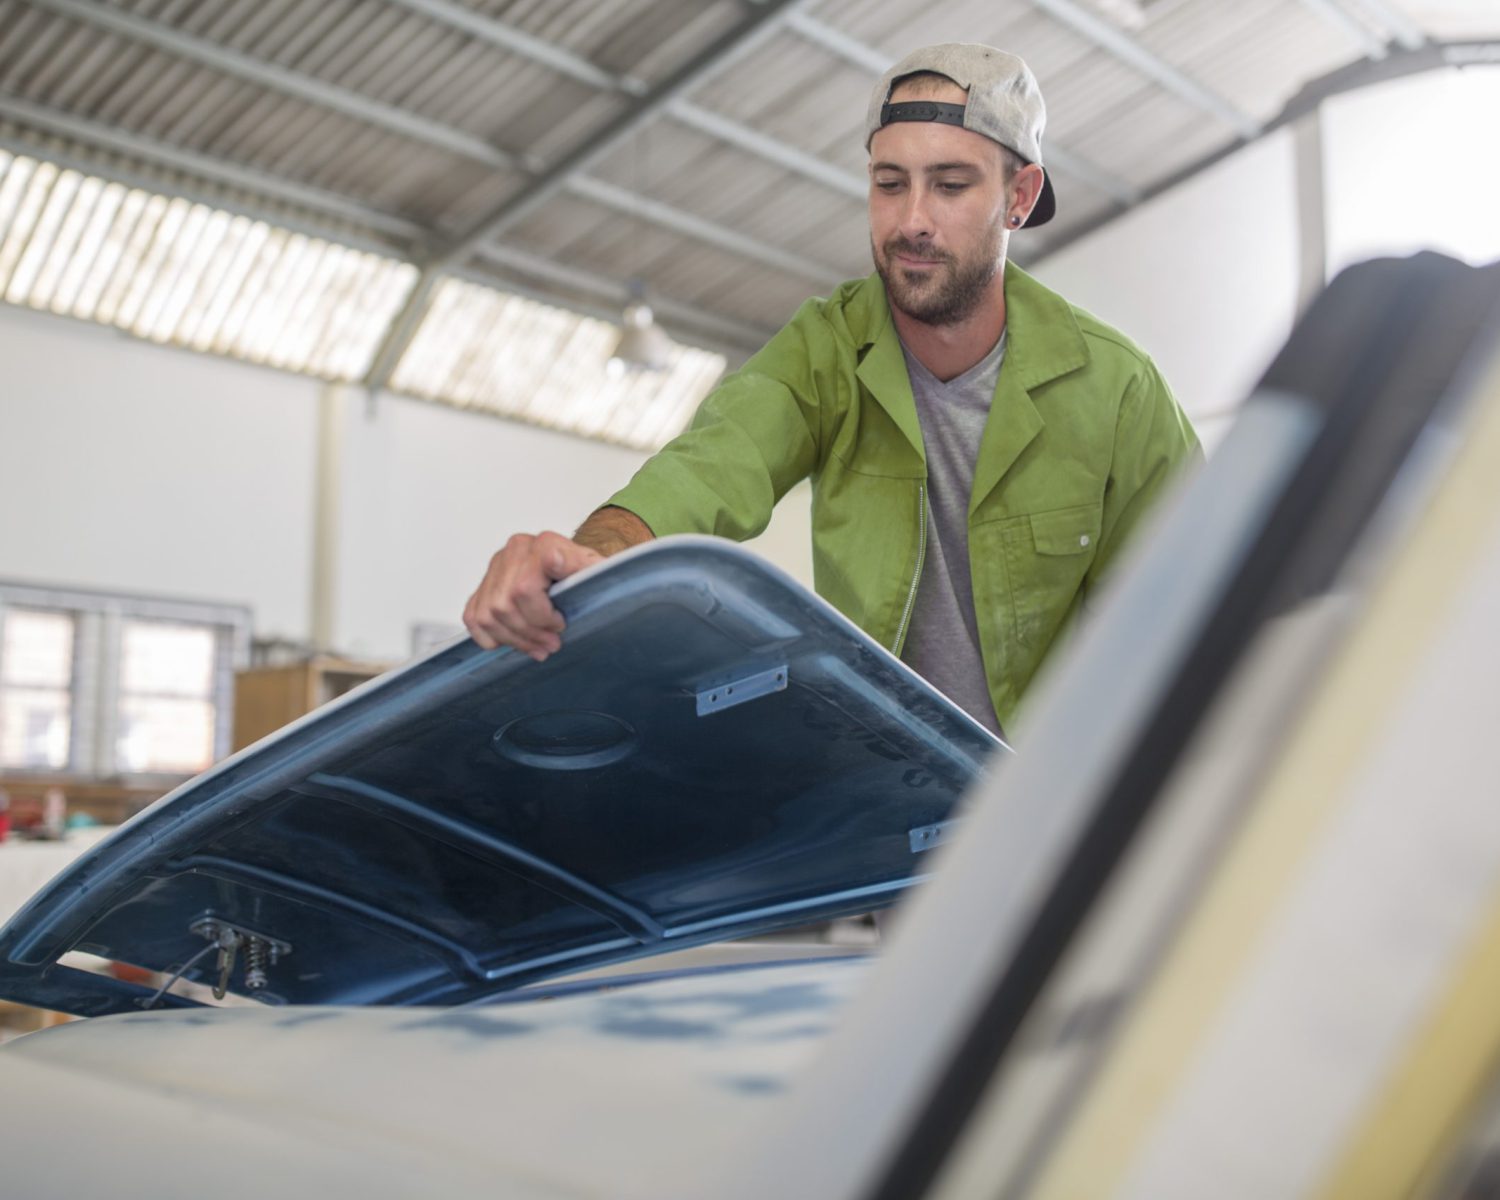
x=922 y=110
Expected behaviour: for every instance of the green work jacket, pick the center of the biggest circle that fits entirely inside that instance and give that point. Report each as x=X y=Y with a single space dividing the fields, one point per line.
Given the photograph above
x=1081 y=437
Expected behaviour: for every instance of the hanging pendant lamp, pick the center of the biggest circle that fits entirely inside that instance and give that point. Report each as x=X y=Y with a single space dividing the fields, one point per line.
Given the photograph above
x=643 y=344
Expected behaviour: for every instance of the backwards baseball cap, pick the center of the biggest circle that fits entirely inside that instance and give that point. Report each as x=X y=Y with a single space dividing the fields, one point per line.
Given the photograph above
x=1004 y=103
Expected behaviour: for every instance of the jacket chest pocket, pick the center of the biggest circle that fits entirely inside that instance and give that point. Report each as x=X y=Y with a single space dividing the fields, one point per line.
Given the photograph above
x=1047 y=554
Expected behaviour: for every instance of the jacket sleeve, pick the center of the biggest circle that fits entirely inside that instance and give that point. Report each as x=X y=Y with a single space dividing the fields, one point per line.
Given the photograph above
x=753 y=437
x=1153 y=442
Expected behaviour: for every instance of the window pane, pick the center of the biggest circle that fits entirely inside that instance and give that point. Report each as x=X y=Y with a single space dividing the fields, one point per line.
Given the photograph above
x=34 y=728
x=38 y=649
x=157 y=734
x=166 y=659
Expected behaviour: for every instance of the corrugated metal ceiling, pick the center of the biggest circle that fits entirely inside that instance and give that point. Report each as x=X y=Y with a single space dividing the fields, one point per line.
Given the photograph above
x=560 y=149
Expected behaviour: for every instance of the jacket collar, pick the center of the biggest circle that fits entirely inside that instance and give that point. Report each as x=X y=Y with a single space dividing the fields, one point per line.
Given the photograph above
x=1044 y=343
x=882 y=365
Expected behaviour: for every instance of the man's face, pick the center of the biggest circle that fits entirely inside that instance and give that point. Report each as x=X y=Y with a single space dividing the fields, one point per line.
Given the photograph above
x=937 y=213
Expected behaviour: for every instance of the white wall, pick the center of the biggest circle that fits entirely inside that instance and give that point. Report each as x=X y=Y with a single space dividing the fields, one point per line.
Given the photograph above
x=1411 y=165
x=124 y=466
x=431 y=492
x=132 y=467
x=1203 y=278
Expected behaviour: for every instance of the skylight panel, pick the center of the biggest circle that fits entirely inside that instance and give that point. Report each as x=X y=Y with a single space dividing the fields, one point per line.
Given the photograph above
x=173 y=271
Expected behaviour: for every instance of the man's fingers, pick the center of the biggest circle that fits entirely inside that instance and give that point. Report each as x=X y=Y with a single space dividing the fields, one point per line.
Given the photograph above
x=477 y=631
x=536 y=614
x=509 y=628
x=482 y=638
x=487 y=622
x=562 y=557
x=511 y=606
x=513 y=625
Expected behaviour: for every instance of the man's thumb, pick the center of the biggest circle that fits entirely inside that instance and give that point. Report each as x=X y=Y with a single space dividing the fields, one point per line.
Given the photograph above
x=568 y=558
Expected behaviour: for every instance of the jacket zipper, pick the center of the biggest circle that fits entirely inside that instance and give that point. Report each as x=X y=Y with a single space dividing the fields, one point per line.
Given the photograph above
x=911 y=595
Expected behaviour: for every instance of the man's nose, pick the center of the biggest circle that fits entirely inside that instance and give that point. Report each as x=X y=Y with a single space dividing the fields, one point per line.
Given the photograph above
x=916 y=221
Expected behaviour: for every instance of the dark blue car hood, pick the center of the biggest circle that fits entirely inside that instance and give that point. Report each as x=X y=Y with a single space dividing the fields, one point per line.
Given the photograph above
x=714 y=752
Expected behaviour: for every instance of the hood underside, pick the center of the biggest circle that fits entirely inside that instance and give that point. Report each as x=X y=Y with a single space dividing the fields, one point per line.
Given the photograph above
x=714 y=752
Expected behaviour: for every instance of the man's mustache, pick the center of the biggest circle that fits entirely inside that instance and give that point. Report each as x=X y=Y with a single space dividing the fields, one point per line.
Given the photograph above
x=914 y=250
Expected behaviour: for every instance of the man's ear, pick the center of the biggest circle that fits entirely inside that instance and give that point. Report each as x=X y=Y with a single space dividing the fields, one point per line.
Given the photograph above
x=1025 y=187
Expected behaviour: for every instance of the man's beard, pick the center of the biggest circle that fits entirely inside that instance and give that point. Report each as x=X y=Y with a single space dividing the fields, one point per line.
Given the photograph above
x=936 y=297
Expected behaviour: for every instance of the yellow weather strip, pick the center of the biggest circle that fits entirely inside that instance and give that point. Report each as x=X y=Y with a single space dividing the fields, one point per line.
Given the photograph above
x=1421 y=1116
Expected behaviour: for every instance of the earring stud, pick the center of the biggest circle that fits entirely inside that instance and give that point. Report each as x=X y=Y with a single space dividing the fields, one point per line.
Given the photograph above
x=1016 y=221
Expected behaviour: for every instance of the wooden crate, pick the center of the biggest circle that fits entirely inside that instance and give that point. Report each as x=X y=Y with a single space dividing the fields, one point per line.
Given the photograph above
x=266 y=698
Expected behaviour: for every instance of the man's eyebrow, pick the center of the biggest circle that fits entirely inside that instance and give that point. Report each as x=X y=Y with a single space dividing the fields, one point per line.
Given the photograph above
x=929 y=169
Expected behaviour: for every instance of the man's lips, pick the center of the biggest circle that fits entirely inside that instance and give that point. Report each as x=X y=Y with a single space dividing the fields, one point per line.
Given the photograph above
x=914 y=260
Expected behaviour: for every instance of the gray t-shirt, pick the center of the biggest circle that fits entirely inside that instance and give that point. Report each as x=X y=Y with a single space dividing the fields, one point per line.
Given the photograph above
x=942 y=644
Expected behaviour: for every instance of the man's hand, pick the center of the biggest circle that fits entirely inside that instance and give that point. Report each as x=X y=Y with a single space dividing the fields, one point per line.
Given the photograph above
x=511 y=606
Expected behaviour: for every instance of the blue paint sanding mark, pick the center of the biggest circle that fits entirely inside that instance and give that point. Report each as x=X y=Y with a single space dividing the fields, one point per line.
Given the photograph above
x=767 y=1002
x=471 y=1022
x=796 y=1033
x=646 y=1026
x=304 y=1018
x=752 y=1085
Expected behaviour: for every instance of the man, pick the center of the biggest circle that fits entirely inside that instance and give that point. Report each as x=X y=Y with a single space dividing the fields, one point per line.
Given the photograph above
x=979 y=448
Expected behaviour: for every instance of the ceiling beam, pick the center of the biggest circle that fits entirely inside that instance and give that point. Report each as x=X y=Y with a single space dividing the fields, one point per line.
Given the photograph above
x=632 y=205
x=1122 y=46
x=580 y=69
x=1309 y=156
x=666 y=98
x=214 y=170
x=742 y=335
x=1336 y=15
x=841 y=45
x=877 y=62
x=1121 y=191
x=1407 y=33
x=209 y=54
x=279 y=79
x=398 y=335
x=757 y=28
x=523 y=44
x=398 y=121
x=735 y=338
x=778 y=153
x=735 y=349
x=684 y=317
x=729 y=47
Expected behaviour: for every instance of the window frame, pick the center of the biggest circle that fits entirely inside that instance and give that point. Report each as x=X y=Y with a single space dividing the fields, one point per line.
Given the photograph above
x=69 y=684
x=99 y=619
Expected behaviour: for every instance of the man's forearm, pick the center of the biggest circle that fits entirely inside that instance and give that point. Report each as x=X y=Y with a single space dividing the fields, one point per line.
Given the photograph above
x=610 y=530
